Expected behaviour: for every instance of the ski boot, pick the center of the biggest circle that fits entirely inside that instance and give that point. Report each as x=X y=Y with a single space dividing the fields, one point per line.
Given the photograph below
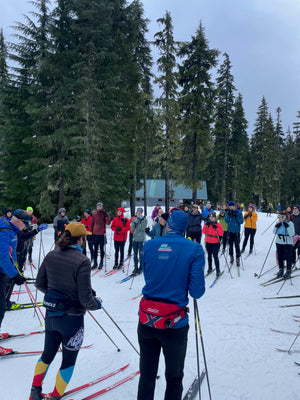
x=115 y=266
x=4 y=335
x=135 y=270
x=238 y=263
x=36 y=393
x=4 y=351
x=209 y=270
x=100 y=265
x=231 y=260
x=121 y=265
x=218 y=273
x=287 y=275
x=280 y=273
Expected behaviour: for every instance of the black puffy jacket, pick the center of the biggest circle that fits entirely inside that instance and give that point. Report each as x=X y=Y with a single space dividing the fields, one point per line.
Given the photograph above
x=68 y=272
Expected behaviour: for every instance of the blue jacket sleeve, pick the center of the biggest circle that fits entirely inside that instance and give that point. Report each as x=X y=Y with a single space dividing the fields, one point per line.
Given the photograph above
x=196 y=279
x=240 y=218
x=6 y=265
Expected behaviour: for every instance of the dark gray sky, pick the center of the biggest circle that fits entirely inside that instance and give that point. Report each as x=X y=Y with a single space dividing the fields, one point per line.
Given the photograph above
x=262 y=38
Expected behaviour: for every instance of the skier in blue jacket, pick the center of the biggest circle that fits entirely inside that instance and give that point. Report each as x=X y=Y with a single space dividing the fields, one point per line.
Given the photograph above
x=8 y=244
x=173 y=268
x=234 y=219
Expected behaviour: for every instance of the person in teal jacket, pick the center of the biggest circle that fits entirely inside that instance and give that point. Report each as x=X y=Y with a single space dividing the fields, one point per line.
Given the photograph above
x=284 y=231
x=234 y=219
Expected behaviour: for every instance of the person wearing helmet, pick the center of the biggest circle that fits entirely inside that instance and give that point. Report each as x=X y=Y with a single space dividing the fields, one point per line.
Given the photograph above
x=59 y=223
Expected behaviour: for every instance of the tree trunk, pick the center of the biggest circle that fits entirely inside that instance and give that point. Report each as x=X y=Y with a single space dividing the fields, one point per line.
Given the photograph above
x=194 y=188
x=61 y=193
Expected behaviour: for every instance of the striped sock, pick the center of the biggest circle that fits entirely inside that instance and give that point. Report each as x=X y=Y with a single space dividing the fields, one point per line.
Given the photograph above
x=63 y=377
x=39 y=373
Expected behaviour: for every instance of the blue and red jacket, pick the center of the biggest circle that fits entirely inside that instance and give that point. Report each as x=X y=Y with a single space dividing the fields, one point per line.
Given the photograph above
x=173 y=268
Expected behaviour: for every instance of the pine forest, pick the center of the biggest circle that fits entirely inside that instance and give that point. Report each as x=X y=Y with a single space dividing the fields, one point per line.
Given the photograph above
x=84 y=118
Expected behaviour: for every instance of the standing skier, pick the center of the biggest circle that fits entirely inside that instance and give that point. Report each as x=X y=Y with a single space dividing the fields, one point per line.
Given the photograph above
x=59 y=223
x=173 y=268
x=64 y=277
x=100 y=219
x=213 y=232
x=138 y=227
x=284 y=231
x=86 y=221
x=295 y=218
x=250 y=219
x=120 y=225
x=208 y=209
x=194 y=229
x=234 y=219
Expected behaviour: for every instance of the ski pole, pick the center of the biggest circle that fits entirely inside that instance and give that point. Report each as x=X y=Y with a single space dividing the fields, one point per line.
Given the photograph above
x=197 y=352
x=32 y=299
x=227 y=265
x=289 y=350
x=202 y=345
x=120 y=331
x=118 y=349
x=259 y=275
x=269 y=226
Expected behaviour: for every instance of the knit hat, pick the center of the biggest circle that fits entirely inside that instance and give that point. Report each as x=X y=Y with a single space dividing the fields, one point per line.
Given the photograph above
x=29 y=209
x=195 y=206
x=222 y=211
x=208 y=203
x=212 y=214
x=252 y=206
x=121 y=209
x=21 y=214
x=77 y=229
x=99 y=204
x=165 y=216
x=231 y=203
x=61 y=210
x=178 y=221
x=139 y=210
x=297 y=206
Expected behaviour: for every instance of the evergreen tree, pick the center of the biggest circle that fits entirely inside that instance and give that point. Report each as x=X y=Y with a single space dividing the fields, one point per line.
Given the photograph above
x=223 y=126
x=239 y=172
x=197 y=105
x=169 y=144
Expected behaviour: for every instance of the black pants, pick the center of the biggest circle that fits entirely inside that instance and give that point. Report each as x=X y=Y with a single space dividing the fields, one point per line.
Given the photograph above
x=119 y=247
x=284 y=252
x=98 y=241
x=234 y=239
x=297 y=246
x=224 y=239
x=130 y=243
x=212 y=251
x=91 y=246
x=173 y=342
x=249 y=232
x=3 y=281
x=195 y=236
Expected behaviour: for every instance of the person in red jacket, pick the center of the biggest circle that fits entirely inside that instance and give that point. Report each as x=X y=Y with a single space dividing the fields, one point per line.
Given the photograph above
x=86 y=221
x=120 y=225
x=213 y=232
x=98 y=228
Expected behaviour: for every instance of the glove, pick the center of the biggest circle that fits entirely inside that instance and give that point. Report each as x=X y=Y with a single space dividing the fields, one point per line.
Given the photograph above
x=250 y=214
x=285 y=224
x=99 y=303
x=118 y=229
x=19 y=279
x=147 y=230
x=42 y=227
x=105 y=214
x=278 y=225
x=246 y=216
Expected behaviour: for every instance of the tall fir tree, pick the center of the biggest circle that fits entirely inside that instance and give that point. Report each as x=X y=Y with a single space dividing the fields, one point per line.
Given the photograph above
x=169 y=144
x=239 y=173
x=223 y=126
x=197 y=106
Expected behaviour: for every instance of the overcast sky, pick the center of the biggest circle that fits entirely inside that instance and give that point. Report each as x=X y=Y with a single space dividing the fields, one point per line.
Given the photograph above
x=262 y=38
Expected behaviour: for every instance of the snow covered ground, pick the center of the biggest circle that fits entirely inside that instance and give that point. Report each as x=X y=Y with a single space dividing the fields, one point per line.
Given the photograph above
x=235 y=319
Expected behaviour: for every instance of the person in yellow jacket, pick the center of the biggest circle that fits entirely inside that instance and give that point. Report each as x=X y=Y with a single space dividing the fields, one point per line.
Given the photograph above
x=250 y=218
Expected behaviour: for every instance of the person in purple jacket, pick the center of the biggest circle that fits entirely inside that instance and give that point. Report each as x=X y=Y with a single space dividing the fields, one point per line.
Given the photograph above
x=173 y=268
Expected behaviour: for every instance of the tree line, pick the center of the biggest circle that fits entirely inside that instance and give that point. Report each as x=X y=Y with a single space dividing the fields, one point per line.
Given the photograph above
x=80 y=121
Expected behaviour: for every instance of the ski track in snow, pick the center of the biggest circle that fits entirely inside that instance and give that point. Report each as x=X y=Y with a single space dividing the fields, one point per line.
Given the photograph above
x=235 y=320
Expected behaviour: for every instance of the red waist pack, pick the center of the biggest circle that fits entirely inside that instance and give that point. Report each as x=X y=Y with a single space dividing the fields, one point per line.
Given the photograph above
x=160 y=315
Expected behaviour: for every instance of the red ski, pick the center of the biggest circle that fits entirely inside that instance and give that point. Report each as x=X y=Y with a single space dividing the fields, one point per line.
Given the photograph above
x=113 y=386
x=86 y=385
x=8 y=336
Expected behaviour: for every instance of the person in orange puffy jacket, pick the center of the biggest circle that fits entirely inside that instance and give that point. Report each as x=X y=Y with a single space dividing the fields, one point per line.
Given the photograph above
x=250 y=218
x=120 y=225
x=213 y=232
